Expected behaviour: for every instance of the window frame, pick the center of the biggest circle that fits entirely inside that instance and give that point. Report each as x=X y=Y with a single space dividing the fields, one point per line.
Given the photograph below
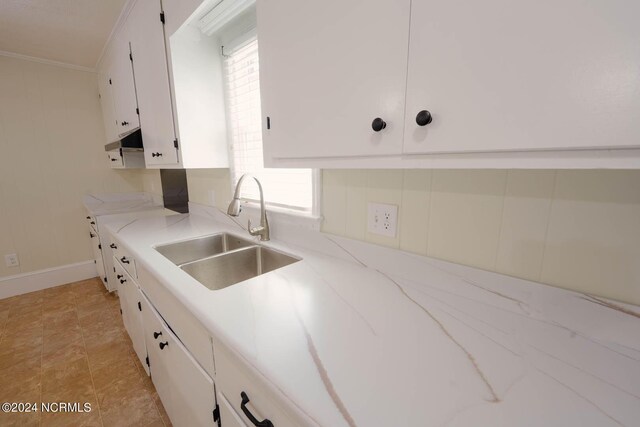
x=310 y=217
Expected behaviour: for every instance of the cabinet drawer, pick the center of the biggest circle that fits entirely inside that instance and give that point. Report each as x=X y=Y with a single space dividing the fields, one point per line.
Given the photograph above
x=115 y=159
x=233 y=378
x=124 y=258
x=187 y=328
x=228 y=416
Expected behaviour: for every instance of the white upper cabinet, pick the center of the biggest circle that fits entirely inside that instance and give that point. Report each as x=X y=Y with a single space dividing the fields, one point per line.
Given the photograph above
x=171 y=86
x=494 y=84
x=152 y=83
x=108 y=109
x=503 y=75
x=327 y=71
x=122 y=85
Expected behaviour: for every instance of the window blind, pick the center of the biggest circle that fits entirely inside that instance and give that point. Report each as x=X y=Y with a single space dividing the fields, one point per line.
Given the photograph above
x=289 y=188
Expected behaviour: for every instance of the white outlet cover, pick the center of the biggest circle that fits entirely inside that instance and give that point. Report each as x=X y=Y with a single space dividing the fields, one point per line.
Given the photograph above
x=382 y=219
x=11 y=260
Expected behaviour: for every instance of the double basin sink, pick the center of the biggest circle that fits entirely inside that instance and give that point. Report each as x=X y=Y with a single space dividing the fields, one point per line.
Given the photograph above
x=222 y=260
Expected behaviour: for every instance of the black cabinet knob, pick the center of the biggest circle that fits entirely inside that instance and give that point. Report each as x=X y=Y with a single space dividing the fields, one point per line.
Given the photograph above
x=88 y=217
x=113 y=246
x=424 y=118
x=124 y=260
x=125 y=123
x=378 y=124
x=114 y=160
x=156 y=154
x=163 y=345
x=92 y=223
x=119 y=276
x=156 y=335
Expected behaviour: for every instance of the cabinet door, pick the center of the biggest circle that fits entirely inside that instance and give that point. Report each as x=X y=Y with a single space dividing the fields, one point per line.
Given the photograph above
x=123 y=86
x=327 y=70
x=152 y=83
x=155 y=334
x=108 y=109
x=97 y=253
x=504 y=75
x=186 y=391
x=228 y=415
x=192 y=392
x=133 y=306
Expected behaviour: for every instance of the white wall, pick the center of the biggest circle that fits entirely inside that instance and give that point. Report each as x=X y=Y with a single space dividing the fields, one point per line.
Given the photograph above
x=575 y=229
x=51 y=153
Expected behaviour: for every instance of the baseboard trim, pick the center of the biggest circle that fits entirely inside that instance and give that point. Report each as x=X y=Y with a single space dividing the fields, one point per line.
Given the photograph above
x=47 y=278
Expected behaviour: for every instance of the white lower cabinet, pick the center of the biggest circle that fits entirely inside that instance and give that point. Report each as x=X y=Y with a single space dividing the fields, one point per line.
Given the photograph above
x=97 y=253
x=246 y=394
x=186 y=390
x=227 y=414
x=131 y=305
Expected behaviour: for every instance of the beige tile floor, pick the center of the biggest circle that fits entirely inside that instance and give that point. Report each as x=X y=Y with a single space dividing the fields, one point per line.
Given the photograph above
x=68 y=344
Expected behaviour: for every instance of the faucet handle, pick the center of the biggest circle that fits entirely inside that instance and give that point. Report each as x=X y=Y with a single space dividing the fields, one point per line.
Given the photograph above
x=254 y=231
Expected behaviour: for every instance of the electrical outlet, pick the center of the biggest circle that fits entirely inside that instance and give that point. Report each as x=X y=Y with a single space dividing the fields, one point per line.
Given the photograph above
x=382 y=219
x=11 y=260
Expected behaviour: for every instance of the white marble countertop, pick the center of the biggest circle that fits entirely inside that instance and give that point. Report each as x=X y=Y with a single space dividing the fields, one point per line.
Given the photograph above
x=360 y=335
x=114 y=203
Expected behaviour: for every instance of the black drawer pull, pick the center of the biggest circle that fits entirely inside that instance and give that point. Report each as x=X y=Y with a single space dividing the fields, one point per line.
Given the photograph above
x=124 y=260
x=119 y=276
x=113 y=246
x=122 y=281
x=163 y=345
x=156 y=335
x=247 y=412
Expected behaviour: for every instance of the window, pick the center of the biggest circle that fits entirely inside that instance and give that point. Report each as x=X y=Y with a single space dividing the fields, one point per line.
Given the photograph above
x=285 y=188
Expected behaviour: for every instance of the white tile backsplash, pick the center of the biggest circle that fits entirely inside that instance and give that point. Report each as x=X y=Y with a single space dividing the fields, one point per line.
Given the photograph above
x=577 y=229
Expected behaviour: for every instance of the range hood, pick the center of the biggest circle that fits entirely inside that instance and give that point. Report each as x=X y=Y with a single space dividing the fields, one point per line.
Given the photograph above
x=131 y=141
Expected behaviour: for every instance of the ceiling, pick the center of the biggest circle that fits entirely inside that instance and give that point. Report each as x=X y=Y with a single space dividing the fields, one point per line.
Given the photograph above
x=69 y=31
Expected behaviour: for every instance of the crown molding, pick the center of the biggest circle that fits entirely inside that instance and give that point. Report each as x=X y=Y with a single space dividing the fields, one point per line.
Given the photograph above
x=47 y=61
x=124 y=14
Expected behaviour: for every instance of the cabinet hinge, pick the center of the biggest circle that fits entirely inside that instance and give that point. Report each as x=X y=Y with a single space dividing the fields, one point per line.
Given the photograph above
x=95 y=262
x=120 y=311
x=139 y=306
x=106 y=280
x=130 y=57
x=110 y=81
x=137 y=111
x=216 y=414
x=147 y=360
x=175 y=143
x=99 y=246
x=268 y=122
x=162 y=17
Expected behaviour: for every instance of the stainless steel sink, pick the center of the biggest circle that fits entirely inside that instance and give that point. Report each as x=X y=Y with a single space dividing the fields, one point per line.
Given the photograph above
x=224 y=270
x=203 y=247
